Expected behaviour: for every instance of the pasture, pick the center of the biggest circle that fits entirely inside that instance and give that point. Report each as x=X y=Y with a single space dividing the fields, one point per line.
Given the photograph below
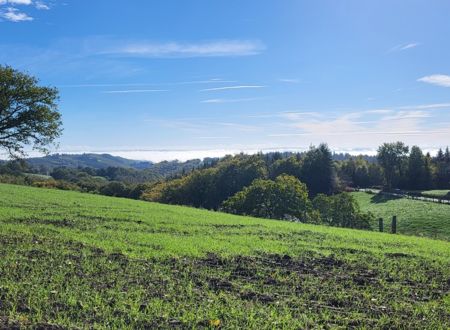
x=415 y=217
x=72 y=260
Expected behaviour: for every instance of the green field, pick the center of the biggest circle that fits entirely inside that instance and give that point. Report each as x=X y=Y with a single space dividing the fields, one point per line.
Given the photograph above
x=436 y=193
x=77 y=260
x=414 y=217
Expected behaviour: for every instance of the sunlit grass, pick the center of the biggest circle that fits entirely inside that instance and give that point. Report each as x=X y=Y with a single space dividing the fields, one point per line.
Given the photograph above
x=81 y=260
x=413 y=217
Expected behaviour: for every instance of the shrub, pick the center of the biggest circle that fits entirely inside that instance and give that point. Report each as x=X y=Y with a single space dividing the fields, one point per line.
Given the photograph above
x=341 y=210
x=285 y=198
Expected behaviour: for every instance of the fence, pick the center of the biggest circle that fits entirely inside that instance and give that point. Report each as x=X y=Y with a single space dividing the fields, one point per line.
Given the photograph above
x=403 y=194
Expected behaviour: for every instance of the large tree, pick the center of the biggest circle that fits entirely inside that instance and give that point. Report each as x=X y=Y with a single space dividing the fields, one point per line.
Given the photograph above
x=392 y=158
x=318 y=170
x=416 y=169
x=28 y=113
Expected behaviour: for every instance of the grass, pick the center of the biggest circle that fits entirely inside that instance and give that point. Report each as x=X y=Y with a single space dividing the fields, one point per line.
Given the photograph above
x=72 y=260
x=435 y=193
x=414 y=217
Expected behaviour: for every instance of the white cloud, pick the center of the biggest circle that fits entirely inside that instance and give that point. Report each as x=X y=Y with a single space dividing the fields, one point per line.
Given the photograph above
x=177 y=49
x=402 y=47
x=135 y=91
x=289 y=80
x=231 y=88
x=14 y=15
x=409 y=46
x=436 y=79
x=378 y=111
x=367 y=128
x=214 y=137
x=41 y=6
x=219 y=101
x=427 y=106
x=16 y=2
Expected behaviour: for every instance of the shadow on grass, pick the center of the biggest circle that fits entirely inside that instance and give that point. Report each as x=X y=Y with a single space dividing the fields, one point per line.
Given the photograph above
x=383 y=198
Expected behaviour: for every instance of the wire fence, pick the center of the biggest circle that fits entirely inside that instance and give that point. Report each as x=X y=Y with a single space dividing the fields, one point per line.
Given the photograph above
x=403 y=194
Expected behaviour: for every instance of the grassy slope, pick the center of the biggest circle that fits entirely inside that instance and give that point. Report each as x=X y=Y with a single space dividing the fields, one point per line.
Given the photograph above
x=83 y=260
x=414 y=217
x=436 y=193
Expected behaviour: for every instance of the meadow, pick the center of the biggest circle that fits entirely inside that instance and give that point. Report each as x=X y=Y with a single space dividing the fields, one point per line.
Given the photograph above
x=414 y=217
x=73 y=260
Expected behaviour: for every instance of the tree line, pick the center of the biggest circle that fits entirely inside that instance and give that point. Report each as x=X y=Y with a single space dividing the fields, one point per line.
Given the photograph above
x=398 y=167
x=301 y=187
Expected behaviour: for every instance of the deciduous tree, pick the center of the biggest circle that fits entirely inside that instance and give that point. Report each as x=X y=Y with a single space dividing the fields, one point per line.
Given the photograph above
x=28 y=113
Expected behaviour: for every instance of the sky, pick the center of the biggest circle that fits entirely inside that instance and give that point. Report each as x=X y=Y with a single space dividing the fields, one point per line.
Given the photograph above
x=155 y=80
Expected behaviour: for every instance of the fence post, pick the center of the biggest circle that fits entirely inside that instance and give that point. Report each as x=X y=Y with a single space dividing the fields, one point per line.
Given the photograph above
x=380 y=224
x=394 y=224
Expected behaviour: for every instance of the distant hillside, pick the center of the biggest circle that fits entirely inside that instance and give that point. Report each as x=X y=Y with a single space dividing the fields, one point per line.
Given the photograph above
x=97 y=161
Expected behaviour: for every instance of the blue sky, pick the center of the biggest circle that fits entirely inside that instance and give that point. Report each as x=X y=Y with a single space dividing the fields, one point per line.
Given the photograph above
x=183 y=79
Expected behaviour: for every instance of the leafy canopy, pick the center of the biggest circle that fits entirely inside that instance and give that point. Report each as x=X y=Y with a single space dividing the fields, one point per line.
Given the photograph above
x=284 y=198
x=28 y=113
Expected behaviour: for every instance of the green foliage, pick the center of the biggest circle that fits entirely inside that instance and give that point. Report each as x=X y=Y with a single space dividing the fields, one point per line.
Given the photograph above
x=392 y=158
x=342 y=210
x=318 y=170
x=72 y=260
x=55 y=184
x=418 y=173
x=358 y=172
x=442 y=169
x=28 y=113
x=208 y=188
x=285 y=198
x=288 y=166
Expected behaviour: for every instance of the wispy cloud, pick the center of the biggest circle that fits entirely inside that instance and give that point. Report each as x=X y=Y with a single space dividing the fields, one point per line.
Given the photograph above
x=14 y=15
x=219 y=101
x=231 y=88
x=41 y=5
x=16 y=2
x=404 y=46
x=127 y=91
x=423 y=125
x=289 y=80
x=214 y=137
x=436 y=79
x=192 y=82
x=426 y=106
x=239 y=126
x=179 y=49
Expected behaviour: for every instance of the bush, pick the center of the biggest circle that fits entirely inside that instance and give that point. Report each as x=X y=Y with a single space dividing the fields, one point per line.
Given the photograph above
x=286 y=198
x=342 y=210
x=55 y=184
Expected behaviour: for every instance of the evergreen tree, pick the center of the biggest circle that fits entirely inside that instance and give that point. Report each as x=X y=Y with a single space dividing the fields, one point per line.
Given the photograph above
x=427 y=177
x=440 y=155
x=416 y=169
x=318 y=170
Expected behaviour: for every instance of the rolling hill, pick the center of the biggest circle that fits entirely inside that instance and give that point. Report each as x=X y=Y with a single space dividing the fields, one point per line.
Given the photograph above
x=85 y=261
x=97 y=161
